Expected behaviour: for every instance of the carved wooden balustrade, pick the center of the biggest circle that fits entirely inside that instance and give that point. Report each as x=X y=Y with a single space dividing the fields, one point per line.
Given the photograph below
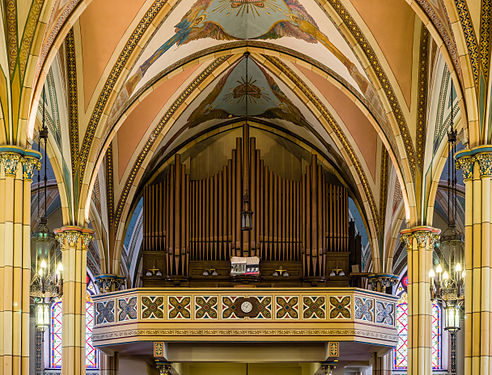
x=245 y=314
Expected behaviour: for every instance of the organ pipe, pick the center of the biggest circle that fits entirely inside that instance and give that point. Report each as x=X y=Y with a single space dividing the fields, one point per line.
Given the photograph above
x=189 y=220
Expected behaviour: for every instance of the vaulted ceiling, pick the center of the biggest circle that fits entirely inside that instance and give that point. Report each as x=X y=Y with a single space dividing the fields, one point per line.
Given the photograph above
x=366 y=82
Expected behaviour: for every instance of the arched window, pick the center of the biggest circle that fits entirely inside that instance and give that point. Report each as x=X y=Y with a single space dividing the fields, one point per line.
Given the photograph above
x=400 y=354
x=91 y=354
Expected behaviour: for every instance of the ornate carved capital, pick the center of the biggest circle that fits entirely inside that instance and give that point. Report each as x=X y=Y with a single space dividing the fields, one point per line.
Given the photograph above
x=484 y=161
x=110 y=283
x=380 y=281
x=424 y=236
x=11 y=156
x=465 y=163
x=28 y=165
x=9 y=162
x=69 y=236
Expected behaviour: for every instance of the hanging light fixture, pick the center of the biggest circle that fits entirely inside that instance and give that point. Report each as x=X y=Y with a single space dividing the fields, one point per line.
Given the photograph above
x=246 y=213
x=448 y=277
x=46 y=266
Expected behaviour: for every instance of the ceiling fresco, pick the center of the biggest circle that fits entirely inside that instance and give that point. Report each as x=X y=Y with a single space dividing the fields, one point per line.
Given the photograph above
x=286 y=22
x=246 y=89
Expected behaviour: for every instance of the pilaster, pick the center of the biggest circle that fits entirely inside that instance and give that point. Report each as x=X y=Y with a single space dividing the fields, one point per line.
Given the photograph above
x=420 y=245
x=476 y=165
x=74 y=242
x=16 y=167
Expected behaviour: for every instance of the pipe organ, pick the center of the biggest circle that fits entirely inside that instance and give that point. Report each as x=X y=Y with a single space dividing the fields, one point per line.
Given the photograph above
x=300 y=228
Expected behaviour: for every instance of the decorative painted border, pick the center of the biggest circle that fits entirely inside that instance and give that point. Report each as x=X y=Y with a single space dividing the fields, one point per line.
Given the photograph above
x=422 y=96
x=170 y=306
x=73 y=101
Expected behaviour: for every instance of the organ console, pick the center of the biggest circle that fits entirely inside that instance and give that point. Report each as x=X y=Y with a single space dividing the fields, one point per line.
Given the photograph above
x=299 y=231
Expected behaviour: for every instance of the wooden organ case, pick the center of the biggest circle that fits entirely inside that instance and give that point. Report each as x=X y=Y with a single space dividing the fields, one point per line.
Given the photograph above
x=301 y=231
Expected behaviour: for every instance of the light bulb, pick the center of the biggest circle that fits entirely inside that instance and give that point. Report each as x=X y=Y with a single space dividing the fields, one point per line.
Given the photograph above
x=439 y=268
x=59 y=268
x=458 y=267
x=445 y=275
x=432 y=274
x=43 y=264
x=40 y=272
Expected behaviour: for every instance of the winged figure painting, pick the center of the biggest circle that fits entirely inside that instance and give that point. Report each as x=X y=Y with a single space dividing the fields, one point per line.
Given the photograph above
x=241 y=20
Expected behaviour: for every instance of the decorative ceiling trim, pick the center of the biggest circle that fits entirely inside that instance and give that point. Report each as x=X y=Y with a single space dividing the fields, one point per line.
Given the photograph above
x=383 y=199
x=28 y=37
x=73 y=101
x=384 y=81
x=110 y=184
x=485 y=29
x=470 y=37
x=50 y=38
x=448 y=40
x=422 y=93
x=11 y=21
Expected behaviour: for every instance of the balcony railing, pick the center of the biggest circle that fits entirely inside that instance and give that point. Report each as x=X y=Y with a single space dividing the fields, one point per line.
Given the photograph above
x=247 y=314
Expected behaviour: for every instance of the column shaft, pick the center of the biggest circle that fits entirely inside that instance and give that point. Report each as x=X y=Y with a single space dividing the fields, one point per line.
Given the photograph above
x=477 y=171
x=16 y=166
x=74 y=242
x=420 y=245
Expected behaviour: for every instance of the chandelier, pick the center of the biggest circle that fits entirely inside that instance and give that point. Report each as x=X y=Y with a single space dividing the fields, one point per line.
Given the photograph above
x=448 y=277
x=46 y=266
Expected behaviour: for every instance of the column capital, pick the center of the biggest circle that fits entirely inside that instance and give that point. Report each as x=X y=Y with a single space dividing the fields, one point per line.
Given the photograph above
x=424 y=235
x=69 y=236
x=11 y=156
x=484 y=160
x=109 y=282
x=466 y=159
x=465 y=163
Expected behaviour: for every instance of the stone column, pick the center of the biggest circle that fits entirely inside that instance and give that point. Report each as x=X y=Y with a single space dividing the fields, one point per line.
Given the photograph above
x=16 y=169
x=420 y=245
x=477 y=171
x=74 y=242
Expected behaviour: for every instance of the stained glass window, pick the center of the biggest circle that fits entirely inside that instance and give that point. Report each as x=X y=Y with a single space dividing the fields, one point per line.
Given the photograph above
x=56 y=335
x=400 y=354
x=91 y=354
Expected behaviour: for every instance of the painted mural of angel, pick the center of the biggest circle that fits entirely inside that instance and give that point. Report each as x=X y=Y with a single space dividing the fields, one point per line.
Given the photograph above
x=242 y=20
